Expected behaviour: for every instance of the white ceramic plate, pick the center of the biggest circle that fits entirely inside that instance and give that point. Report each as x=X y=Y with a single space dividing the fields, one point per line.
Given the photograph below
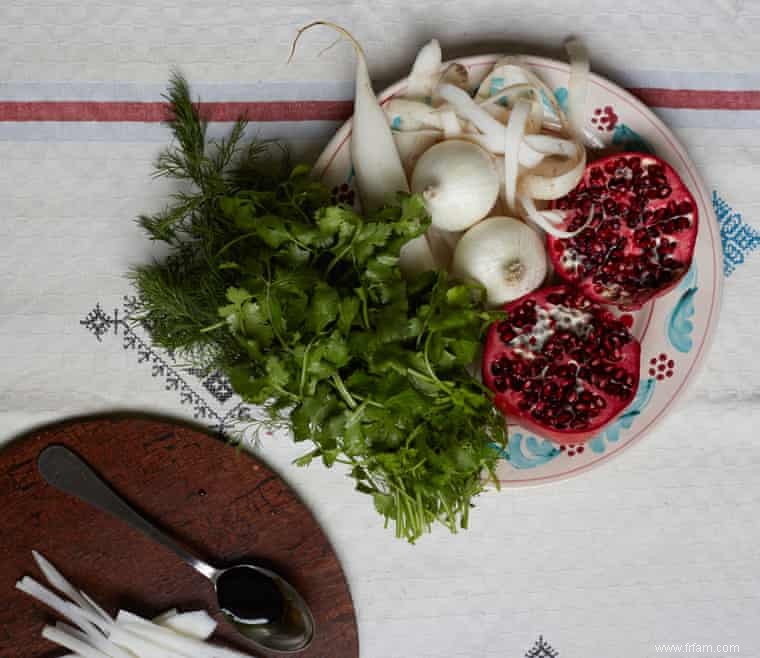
x=675 y=330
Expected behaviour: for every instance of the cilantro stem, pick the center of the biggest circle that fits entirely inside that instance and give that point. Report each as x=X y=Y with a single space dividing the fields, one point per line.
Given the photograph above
x=340 y=386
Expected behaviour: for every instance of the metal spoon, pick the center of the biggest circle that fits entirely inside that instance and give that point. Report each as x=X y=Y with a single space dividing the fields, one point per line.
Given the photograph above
x=262 y=606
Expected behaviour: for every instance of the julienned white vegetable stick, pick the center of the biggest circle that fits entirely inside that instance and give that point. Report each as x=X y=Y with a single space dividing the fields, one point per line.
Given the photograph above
x=513 y=136
x=577 y=85
x=178 y=643
x=72 y=643
x=94 y=605
x=425 y=71
x=467 y=108
x=553 y=180
x=57 y=580
x=145 y=648
x=38 y=591
x=198 y=624
x=98 y=641
x=377 y=165
x=160 y=619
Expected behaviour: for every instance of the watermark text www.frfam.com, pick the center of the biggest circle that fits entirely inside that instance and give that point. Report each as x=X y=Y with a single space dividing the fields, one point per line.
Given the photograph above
x=704 y=649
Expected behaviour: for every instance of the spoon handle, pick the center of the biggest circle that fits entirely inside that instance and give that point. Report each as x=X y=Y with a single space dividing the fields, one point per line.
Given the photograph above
x=66 y=471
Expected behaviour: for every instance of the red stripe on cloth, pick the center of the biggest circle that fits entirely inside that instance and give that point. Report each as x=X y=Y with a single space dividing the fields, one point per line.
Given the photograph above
x=698 y=99
x=15 y=111
x=151 y=112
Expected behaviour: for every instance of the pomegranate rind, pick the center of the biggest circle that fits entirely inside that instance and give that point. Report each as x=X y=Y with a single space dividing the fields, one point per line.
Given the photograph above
x=507 y=402
x=655 y=276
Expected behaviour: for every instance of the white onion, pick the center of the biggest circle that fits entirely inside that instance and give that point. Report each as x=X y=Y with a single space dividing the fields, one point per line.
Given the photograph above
x=416 y=257
x=504 y=255
x=458 y=182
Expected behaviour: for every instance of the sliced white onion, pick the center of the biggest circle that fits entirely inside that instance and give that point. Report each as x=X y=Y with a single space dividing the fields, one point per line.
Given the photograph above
x=513 y=136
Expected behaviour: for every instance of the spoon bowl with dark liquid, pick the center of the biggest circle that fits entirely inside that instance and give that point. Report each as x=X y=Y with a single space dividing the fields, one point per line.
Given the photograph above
x=261 y=605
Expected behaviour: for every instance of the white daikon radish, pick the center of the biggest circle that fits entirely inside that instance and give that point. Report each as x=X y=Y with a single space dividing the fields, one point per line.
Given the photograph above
x=377 y=165
x=160 y=619
x=426 y=71
x=458 y=182
x=504 y=255
x=416 y=257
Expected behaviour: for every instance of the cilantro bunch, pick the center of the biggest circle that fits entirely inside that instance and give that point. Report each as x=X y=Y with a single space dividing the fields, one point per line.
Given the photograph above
x=302 y=304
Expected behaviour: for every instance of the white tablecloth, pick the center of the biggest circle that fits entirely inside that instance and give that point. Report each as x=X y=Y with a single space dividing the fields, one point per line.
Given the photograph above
x=659 y=546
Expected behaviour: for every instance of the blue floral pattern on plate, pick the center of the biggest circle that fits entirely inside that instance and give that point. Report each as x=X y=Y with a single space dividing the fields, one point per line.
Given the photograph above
x=526 y=451
x=612 y=433
x=679 y=324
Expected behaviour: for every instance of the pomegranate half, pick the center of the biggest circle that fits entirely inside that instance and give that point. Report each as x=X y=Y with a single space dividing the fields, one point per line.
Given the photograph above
x=561 y=365
x=641 y=239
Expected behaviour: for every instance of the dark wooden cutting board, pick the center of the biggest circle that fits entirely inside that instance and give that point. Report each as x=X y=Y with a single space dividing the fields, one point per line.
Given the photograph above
x=218 y=500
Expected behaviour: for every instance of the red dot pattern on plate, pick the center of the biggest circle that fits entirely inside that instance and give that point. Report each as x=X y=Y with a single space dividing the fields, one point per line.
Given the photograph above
x=605 y=118
x=572 y=450
x=660 y=367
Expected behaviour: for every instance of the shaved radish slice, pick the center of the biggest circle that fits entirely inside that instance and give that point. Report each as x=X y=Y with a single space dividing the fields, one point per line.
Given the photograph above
x=553 y=179
x=513 y=136
x=450 y=124
x=38 y=591
x=454 y=74
x=467 y=108
x=577 y=85
x=405 y=114
x=425 y=70
x=538 y=217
